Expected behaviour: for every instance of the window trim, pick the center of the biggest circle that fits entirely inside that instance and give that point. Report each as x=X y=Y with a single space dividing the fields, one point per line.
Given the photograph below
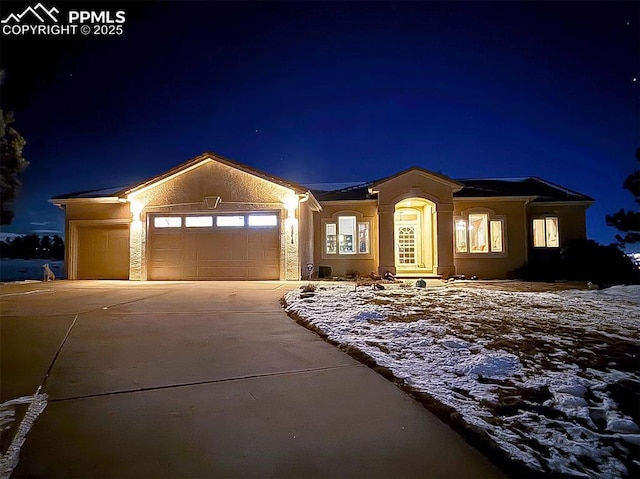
x=491 y=218
x=359 y=220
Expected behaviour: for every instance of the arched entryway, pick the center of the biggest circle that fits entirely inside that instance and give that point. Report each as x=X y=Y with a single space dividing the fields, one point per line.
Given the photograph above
x=415 y=227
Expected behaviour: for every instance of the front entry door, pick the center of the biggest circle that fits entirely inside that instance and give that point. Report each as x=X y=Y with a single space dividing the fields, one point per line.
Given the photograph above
x=407 y=236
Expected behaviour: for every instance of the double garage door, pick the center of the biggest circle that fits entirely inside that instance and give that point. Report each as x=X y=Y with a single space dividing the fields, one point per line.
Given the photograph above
x=238 y=246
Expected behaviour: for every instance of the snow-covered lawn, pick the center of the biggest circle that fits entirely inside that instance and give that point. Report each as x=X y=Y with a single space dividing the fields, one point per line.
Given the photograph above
x=550 y=380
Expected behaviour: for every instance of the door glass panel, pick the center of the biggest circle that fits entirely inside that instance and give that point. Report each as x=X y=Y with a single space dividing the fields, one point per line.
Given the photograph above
x=226 y=221
x=407 y=245
x=198 y=221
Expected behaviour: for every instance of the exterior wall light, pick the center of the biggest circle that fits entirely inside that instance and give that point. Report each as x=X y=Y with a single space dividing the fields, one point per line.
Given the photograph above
x=136 y=208
x=291 y=203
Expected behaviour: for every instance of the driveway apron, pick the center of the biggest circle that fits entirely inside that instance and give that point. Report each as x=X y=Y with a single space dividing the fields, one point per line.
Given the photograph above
x=204 y=379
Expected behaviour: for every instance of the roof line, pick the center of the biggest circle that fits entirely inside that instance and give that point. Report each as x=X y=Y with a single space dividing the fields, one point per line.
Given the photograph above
x=221 y=159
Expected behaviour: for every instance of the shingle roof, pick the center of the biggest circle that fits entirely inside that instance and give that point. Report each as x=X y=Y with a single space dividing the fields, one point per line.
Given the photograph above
x=104 y=192
x=528 y=186
x=355 y=192
x=475 y=188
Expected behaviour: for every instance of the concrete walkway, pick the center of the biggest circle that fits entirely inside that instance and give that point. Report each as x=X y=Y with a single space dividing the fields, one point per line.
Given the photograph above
x=166 y=379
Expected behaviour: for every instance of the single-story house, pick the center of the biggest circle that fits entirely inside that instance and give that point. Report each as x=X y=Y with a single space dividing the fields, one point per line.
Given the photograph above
x=213 y=218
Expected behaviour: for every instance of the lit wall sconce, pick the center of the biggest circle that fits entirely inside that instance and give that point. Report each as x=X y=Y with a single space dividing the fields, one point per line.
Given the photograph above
x=136 y=208
x=291 y=203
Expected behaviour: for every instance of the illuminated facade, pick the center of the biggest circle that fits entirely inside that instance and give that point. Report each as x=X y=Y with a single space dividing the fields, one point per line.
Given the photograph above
x=213 y=218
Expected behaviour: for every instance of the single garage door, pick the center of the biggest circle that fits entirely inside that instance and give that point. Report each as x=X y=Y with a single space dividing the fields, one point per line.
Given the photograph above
x=103 y=252
x=238 y=246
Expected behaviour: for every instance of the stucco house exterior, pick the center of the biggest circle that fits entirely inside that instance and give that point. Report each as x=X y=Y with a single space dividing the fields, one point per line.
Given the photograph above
x=212 y=218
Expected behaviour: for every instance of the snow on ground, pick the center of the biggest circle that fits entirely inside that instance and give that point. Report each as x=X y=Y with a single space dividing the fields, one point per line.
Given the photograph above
x=550 y=378
x=25 y=269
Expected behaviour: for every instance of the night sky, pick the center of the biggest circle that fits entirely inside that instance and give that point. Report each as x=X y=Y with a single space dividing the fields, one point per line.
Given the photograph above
x=328 y=92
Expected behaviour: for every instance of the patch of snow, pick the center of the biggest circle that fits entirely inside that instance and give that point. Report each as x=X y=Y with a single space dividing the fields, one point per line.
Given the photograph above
x=622 y=425
x=28 y=269
x=532 y=370
x=454 y=343
x=490 y=365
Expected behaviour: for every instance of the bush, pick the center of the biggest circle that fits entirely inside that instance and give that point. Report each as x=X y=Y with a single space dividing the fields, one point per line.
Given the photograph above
x=583 y=260
x=587 y=260
x=308 y=288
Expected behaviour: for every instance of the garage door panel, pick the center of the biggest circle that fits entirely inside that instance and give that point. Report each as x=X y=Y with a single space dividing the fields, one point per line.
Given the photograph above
x=214 y=253
x=167 y=272
x=168 y=240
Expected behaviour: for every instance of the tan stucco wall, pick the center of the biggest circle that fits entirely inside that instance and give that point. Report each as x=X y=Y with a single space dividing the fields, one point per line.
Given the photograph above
x=97 y=211
x=415 y=184
x=488 y=265
x=341 y=264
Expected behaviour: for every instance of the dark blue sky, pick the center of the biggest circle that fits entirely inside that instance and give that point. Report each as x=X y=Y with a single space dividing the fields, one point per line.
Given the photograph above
x=320 y=92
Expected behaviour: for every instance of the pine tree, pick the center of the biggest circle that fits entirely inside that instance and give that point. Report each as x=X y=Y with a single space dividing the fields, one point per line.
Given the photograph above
x=628 y=221
x=12 y=163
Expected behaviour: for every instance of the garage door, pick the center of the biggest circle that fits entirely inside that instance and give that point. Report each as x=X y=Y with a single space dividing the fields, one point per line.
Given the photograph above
x=239 y=246
x=103 y=252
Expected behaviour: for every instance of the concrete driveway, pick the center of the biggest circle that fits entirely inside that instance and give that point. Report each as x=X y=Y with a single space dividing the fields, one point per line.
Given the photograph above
x=207 y=379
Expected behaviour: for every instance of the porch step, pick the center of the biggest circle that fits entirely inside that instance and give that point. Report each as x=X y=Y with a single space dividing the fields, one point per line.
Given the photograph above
x=418 y=275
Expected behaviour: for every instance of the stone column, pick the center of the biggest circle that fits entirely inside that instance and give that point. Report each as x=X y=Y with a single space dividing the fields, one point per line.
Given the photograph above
x=291 y=250
x=135 y=250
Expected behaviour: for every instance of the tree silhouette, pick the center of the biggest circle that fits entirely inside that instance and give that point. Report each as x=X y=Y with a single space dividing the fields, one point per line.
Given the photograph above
x=628 y=221
x=12 y=163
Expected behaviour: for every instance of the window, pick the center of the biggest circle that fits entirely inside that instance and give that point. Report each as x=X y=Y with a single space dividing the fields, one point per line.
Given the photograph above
x=461 y=236
x=363 y=237
x=330 y=238
x=346 y=235
x=262 y=220
x=167 y=222
x=230 y=221
x=198 y=221
x=496 y=236
x=479 y=233
x=545 y=232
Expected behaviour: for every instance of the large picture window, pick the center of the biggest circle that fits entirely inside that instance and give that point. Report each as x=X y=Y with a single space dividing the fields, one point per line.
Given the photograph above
x=479 y=233
x=347 y=236
x=545 y=232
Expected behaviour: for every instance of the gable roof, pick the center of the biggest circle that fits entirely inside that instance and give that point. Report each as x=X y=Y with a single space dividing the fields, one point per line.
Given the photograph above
x=430 y=174
x=531 y=187
x=208 y=156
x=525 y=187
x=124 y=191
